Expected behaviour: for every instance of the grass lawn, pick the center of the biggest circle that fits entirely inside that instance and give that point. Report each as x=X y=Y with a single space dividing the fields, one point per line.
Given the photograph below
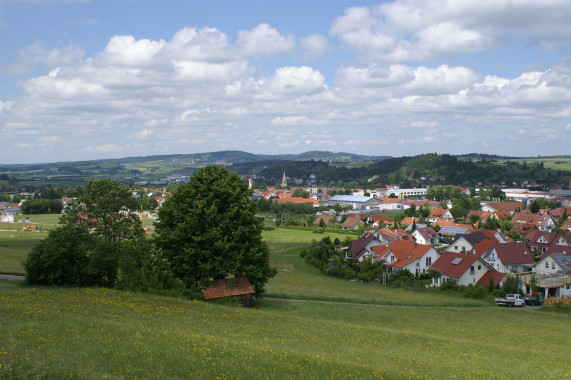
x=14 y=248
x=98 y=333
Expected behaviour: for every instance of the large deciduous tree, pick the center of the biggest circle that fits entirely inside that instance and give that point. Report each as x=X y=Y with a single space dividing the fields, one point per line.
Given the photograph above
x=208 y=230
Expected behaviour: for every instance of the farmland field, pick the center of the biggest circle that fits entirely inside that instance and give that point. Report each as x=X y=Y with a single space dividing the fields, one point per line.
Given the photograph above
x=343 y=329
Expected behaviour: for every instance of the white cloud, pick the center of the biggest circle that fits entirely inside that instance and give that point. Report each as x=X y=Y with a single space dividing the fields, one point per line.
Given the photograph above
x=426 y=29
x=315 y=46
x=297 y=80
x=38 y=54
x=125 y=50
x=264 y=40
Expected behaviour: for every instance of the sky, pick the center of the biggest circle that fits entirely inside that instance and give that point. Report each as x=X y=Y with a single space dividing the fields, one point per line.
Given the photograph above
x=82 y=80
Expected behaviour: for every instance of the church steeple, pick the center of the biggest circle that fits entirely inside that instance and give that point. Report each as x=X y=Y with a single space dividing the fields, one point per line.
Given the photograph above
x=284 y=180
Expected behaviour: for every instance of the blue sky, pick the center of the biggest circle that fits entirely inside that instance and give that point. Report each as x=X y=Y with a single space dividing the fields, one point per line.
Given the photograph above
x=103 y=79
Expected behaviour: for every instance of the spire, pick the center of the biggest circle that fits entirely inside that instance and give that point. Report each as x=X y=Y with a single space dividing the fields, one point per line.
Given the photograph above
x=284 y=180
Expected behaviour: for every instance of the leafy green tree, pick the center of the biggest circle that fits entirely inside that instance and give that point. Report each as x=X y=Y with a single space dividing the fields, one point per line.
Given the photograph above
x=534 y=207
x=208 y=230
x=300 y=193
x=108 y=209
x=86 y=251
x=512 y=284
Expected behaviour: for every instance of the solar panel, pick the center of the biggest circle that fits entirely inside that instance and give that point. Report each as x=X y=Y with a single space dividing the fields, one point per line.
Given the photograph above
x=457 y=260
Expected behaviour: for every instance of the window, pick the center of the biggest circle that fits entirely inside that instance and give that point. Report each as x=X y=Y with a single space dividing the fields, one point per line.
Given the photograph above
x=479 y=267
x=553 y=265
x=455 y=247
x=546 y=264
x=428 y=261
x=457 y=260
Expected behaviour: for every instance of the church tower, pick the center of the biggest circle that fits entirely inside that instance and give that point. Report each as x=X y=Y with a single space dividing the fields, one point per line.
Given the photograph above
x=284 y=181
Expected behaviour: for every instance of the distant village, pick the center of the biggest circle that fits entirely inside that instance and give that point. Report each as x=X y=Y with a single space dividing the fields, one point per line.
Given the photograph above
x=464 y=250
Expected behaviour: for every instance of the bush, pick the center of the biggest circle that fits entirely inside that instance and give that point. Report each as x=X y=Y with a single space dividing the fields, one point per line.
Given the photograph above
x=449 y=285
x=473 y=291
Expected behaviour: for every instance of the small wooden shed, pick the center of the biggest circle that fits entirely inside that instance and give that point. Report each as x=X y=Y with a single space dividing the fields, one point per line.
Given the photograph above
x=239 y=289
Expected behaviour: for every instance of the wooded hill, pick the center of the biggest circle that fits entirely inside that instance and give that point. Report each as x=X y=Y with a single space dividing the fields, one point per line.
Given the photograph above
x=425 y=168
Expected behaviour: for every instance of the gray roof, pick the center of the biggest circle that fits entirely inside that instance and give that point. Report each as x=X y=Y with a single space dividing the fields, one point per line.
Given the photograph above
x=452 y=230
x=564 y=261
x=350 y=198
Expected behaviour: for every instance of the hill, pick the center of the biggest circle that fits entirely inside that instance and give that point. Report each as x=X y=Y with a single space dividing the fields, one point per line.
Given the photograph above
x=422 y=169
x=161 y=166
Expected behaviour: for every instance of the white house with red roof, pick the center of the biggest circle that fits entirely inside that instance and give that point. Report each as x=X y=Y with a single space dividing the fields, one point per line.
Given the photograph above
x=509 y=258
x=460 y=268
x=399 y=255
x=439 y=213
x=425 y=235
x=476 y=243
x=540 y=241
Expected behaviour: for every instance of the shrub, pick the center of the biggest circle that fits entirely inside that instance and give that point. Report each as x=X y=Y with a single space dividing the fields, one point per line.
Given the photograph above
x=449 y=285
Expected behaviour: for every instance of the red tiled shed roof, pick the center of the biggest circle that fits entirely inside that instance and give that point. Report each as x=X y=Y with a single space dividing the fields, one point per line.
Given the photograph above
x=228 y=287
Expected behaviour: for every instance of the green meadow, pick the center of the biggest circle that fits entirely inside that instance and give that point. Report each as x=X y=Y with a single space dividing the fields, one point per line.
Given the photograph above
x=328 y=328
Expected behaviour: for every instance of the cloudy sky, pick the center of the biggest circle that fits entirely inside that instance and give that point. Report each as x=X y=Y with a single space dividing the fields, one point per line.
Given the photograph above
x=96 y=79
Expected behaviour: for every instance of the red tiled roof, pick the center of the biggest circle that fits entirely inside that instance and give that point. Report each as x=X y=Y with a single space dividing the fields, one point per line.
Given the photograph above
x=438 y=213
x=297 y=200
x=447 y=268
x=497 y=276
x=380 y=218
x=514 y=253
x=506 y=206
x=228 y=287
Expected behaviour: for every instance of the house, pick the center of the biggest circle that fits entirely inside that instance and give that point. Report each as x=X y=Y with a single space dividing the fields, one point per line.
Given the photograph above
x=539 y=241
x=510 y=207
x=375 y=220
x=559 y=213
x=554 y=274
x=476 y=243
x=460 y=268
x=10 y=211
x=384 y=234
x=363 y=247
x=355 y=202
x=351 y=223
x=239 y=289
x=298 y=200
x=509 y=258
x=439 y=213
x=418 y=204
x=409 y=220
x=542 y=222
x=390 y=204
x=6 y=217
x=399 y=255
x=425 y=235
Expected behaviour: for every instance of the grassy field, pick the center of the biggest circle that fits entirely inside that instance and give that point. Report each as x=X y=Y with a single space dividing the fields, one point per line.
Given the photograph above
x=14 y=248
x=562 y=163
x=375 y=332
x=98 y=333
